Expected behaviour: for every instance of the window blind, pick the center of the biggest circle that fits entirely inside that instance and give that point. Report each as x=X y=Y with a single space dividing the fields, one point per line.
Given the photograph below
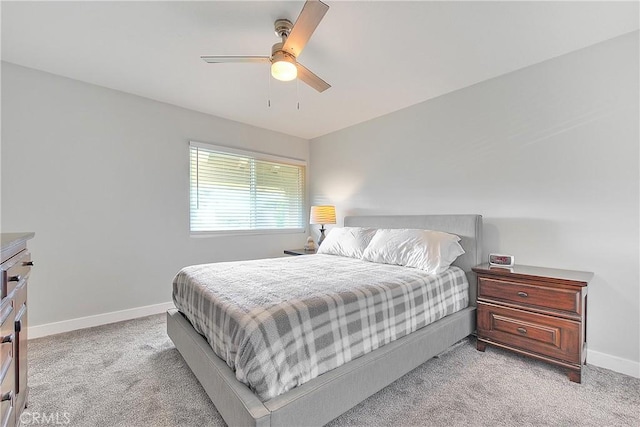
x=232 y=190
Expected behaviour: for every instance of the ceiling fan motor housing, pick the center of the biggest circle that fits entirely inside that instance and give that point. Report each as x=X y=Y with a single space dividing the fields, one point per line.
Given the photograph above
x=277 y=54
x=283 y=28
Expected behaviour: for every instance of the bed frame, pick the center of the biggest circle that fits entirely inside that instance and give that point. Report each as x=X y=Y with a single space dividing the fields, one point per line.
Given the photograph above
x=326 y=397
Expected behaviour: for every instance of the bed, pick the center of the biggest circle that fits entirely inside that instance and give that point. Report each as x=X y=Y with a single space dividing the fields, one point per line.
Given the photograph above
x=325 y=397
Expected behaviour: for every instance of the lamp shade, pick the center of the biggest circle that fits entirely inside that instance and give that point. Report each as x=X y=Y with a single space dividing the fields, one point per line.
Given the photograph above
x=323 y=215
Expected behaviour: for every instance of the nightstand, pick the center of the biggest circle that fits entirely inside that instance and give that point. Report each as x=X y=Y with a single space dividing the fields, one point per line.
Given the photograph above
x=299 y=252
x=535 y=311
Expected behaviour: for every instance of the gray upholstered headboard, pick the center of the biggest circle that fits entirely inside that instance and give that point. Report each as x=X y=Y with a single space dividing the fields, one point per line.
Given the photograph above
x=468 y=227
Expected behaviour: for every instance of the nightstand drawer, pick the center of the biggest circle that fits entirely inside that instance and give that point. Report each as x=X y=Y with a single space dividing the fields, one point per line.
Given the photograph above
x=543 y=297
x=538 y=333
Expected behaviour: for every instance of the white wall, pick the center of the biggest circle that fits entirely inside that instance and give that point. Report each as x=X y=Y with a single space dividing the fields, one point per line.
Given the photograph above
x=549 y=155
x=101 y=177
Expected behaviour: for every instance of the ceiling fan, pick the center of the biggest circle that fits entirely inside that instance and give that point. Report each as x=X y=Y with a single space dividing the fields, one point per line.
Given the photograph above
x=283 y=59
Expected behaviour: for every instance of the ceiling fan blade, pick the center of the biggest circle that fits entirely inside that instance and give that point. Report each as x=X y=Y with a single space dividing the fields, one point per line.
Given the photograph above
x=219 y=59
x=311 y=79
x=312 y=13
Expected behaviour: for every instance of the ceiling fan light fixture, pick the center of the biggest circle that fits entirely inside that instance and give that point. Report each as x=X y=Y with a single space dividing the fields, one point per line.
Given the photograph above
x=283 y=66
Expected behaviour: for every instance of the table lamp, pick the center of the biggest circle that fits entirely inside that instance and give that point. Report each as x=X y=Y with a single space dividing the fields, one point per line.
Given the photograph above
x=322 y=215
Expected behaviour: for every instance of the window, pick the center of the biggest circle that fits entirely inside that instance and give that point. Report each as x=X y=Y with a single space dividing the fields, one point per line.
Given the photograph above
x=233 y=190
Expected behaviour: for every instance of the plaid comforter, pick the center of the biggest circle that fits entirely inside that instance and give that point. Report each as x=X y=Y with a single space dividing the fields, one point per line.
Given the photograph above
x=280 y=322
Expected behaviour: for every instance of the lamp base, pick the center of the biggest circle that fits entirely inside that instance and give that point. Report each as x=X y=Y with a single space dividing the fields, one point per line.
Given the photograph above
x=322 y=236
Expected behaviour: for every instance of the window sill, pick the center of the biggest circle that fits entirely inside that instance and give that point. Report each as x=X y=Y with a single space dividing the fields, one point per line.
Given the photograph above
x=226 y=233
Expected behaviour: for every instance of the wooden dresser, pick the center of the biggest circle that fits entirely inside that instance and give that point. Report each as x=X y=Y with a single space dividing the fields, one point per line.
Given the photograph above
x=15 y=268
x=535 y=311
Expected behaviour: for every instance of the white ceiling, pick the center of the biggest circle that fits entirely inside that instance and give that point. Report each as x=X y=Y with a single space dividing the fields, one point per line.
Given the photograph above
x=378 y=56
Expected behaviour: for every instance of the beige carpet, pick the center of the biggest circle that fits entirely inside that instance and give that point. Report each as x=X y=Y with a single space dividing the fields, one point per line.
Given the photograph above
x=129 y=374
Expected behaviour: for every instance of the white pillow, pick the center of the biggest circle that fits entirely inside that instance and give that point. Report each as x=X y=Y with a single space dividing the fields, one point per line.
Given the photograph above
x=347 y=241
x=432 y=251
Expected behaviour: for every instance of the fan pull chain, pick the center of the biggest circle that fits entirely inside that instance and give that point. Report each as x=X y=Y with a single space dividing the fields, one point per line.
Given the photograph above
x=298 y=92
x=269 y=92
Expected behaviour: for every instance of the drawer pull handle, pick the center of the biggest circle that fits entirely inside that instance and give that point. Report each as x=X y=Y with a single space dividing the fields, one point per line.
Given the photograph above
x=523 y=294
x=28 y=264
x=15 y=278
x=523 y=331
x=7 y=396
x=6 y=338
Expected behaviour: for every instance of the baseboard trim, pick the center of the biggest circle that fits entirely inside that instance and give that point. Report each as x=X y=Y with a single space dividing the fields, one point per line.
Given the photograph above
x=615 y=363
x=97 y=320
